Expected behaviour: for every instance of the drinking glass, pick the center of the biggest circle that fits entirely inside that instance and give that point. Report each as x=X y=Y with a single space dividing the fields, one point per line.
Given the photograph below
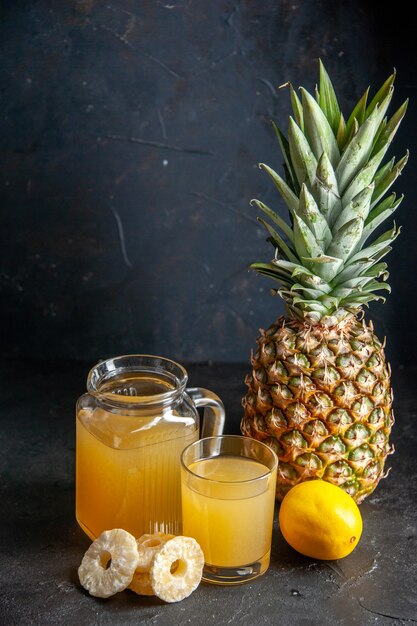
x=228 y=496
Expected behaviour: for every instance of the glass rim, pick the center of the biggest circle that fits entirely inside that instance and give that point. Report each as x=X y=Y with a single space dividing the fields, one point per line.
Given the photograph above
x=230 y=482
x=101 y=373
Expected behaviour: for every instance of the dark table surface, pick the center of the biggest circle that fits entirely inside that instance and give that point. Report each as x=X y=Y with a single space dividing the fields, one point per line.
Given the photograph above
x=41 y=545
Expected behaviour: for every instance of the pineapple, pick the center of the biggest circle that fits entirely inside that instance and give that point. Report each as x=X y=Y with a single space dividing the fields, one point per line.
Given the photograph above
x=319 y=393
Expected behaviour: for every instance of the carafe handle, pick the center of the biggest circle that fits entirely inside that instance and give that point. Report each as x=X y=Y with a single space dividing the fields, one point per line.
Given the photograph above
x=214 y=413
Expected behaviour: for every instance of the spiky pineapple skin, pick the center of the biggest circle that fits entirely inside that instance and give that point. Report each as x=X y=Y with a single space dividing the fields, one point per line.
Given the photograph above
x=321 y=398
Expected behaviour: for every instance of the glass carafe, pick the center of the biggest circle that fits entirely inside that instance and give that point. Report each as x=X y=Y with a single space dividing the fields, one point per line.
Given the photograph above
x=132 y=427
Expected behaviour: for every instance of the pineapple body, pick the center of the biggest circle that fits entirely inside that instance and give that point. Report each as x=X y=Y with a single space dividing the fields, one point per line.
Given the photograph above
x=321 y=398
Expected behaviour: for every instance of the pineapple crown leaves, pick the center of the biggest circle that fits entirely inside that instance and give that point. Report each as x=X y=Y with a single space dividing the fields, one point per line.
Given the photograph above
x=335 y=188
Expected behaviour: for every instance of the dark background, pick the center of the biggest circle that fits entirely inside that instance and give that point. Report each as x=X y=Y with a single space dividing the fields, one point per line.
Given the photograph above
x=130 y=137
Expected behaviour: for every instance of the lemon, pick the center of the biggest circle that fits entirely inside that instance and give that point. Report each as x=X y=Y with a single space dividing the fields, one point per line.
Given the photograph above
x=320 y=520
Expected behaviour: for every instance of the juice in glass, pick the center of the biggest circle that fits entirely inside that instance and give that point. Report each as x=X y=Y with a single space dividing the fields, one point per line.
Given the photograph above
x=228 y=506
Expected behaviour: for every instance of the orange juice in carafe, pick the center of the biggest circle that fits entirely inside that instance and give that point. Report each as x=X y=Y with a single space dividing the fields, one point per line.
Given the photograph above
x=130 y=431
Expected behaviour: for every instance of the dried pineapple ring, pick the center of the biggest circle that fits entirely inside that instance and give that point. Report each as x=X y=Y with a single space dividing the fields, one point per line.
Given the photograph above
x=109 y=563
x=141 y=584
x=177 y=569
x=148 y=546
